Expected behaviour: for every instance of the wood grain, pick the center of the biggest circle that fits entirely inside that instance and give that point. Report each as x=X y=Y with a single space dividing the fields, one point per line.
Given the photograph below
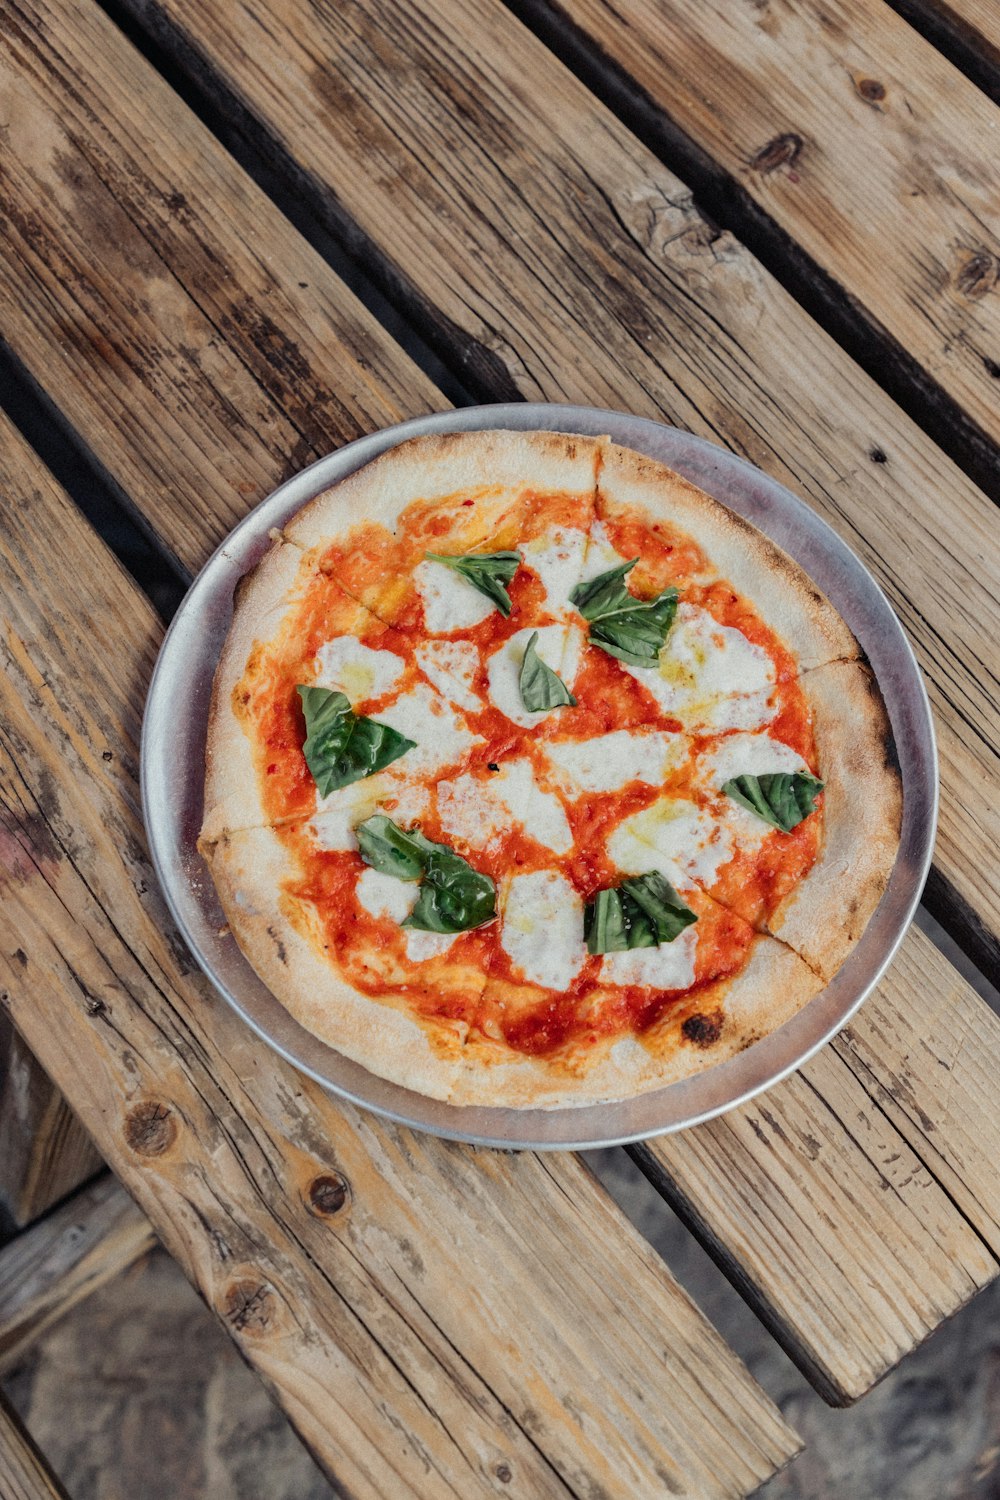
x=434 y=1320
x=455 y=142
x=24 y=1474
x=924 y=1023
x=967 y=31
x=860 y=142
x=46 y=1151
x=54 y=1265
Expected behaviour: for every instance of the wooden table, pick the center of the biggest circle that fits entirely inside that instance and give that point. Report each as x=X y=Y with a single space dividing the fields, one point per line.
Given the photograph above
x=240 y=233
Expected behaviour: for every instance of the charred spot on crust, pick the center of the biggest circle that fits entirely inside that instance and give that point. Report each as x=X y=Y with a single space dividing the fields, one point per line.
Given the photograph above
x=279 y=945
x=703 y=1031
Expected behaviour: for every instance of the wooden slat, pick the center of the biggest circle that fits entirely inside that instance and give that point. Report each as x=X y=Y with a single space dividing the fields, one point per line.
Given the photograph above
x=24 y=1474
x=54 y=1265
x=859 y=141
x=968 y=31
x=46 y=1151
x=435 y=1321
x=925 y=1023
x=701 y=300
x=458 y=143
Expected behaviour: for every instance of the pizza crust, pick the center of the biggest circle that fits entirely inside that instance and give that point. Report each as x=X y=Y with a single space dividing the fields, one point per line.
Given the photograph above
x=827 y=912
x=782 y=593
x=487 y=467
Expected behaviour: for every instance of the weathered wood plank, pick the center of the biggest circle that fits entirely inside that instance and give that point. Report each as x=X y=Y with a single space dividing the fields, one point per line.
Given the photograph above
x=845 y=129
x=215 y=325
x=46 y=1151
x=24 y=1474
x=434 y=1320
x=54 y=1265
x=870 y=1312
x=458 y=143
x=967 y=31
x=702 y=299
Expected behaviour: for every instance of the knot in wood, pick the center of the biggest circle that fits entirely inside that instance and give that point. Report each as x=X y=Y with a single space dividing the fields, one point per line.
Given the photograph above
x=977 y=274
x=504 y=1473
x=703 y=1030
x=871 y=91
x=150 y=1128
x=328 y=1194
x=781 y=152
x=248 y=1307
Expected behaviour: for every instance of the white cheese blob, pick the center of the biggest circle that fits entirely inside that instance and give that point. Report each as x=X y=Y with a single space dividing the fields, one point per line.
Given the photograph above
x=709 y=675
x=476 y=810
x=600 y=556
x=420 y=946
x=675 y=837
x=338 y=814
x=542 y=928
x=452 y=667
x=749 y=755
x=670 y=966
x=347 y=666
x=439 y=732
x=385 y=896
x=450 y=601
x=611 y=761
x=557 y=558
x=559 y=648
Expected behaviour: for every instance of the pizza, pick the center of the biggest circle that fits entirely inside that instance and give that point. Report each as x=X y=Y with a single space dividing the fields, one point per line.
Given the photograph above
x=536 y=777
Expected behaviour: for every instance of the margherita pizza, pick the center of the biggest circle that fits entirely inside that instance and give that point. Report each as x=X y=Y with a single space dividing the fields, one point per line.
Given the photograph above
x=537 y=777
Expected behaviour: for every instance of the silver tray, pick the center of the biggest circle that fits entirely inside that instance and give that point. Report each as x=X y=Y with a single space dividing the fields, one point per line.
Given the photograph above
x=173 y=746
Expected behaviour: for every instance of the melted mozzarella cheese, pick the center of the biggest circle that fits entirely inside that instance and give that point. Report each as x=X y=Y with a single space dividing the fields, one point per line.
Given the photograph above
x=450 y=601
x=557 y=558
x=420 y=946
x=670 y=966
x=440 y=734
x=748 y=755
x=385 y=896
x=709 y=675
x=600 y=556
x=452 y=667
x=611 y=761
x=674 y=837
x=559 y=648
x=542 y=928
x=338 y=814
x=347 y=666
x=476 y=811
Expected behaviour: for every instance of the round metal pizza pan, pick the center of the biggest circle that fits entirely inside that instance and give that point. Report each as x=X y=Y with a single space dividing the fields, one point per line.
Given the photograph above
x=173 y=745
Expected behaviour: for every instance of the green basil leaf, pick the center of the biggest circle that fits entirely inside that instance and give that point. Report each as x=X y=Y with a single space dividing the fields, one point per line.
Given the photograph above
x=453 y=897
x=782 y=798
x=489 y=572
x=664 y=910
x=541 y=688
x=342 y=746
x=604 y=595
x=604 y=923
x=390 y=850
x=642 y=912
x=631 y=629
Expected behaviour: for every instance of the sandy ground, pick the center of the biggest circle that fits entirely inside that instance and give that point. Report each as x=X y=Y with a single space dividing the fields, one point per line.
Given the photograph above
x=139 y=1395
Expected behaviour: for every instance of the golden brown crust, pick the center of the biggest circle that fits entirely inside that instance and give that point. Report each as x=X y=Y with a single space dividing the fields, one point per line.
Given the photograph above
x=783 y=594
x=493 y=468
x=830 y=908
